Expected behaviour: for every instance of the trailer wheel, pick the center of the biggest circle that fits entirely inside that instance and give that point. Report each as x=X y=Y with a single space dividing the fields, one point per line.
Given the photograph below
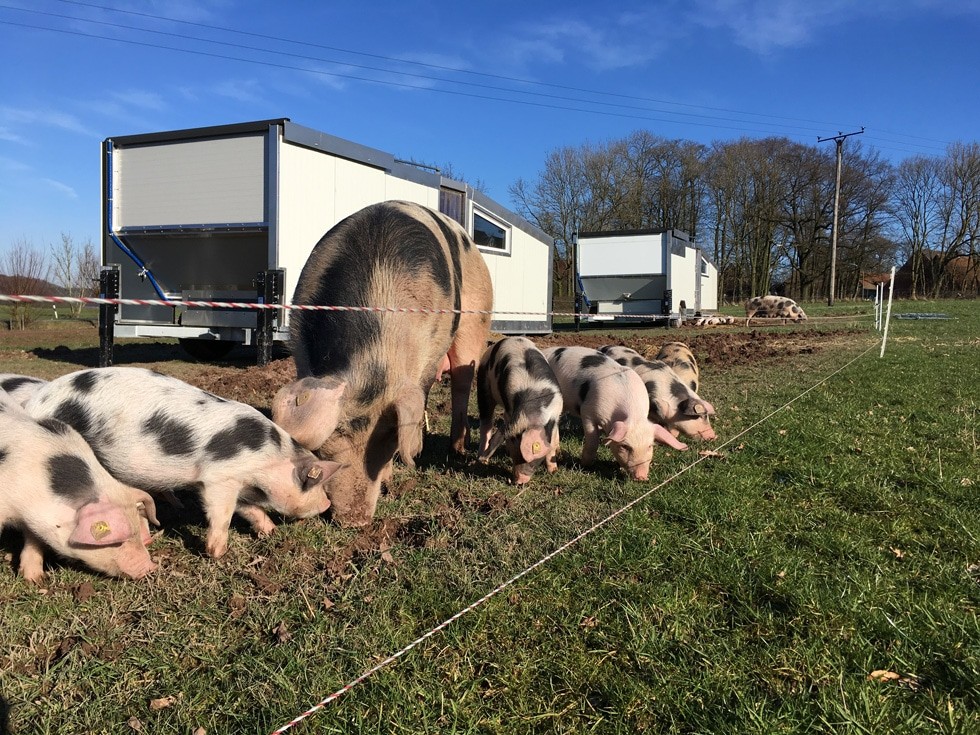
x=207 y=350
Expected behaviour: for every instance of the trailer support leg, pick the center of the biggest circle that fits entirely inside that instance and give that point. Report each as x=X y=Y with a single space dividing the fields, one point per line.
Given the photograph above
x=269 y=285
x=108 y=289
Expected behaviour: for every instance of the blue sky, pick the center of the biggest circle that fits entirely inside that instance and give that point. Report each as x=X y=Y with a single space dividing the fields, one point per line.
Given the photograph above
x=489 y=88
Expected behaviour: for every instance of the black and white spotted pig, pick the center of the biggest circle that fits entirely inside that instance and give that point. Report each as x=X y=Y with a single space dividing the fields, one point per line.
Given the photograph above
x=671 y=403
x=57 y=494
x=375 y=368
x=515 y=375
x=161 y=434
x=610 y=400
x=681 y=360
x=19 y=387
x=773 y=307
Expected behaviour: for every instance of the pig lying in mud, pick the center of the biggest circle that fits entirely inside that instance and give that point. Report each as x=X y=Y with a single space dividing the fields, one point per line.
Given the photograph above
x=773 y=307
x=610 y=400
x=364 y=376
x=515 y=375
x=671 y=403
x=160 y=434
x=57 y=494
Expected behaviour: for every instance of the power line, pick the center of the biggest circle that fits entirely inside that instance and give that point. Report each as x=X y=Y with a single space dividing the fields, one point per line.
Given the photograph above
x=402 y=85
x=714 y=121
x=391 y=71
x=441 y=67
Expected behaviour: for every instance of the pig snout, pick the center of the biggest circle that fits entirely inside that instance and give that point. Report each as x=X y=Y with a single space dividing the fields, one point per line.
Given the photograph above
x=134 y=565
x=707 y=434
x=522 y=474
x=639 y=471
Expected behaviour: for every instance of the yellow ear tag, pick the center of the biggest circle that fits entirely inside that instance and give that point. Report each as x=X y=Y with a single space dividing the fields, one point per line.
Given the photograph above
x=100 y=529
x=314 y=474
x=536 y=447
x=302 y=398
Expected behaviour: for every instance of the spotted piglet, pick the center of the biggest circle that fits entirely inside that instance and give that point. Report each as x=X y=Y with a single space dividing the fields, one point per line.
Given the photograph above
x=610 y=400
x=19 y=388
x=773 y=307
x=671 y=403
x=158 y=433
x=515 y=375
x=54 y=490
x=681 y=360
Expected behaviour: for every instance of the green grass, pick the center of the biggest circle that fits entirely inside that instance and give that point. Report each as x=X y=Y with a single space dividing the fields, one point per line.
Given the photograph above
x=754 y=593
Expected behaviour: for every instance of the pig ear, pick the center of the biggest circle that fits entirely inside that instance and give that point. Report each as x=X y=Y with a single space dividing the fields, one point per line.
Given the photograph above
x=663 y=436
x=495 y=441
x=617 y=431
x=697 y=407
x=308 y=409
x=661 y=408
x=319 y=472
x=534 y=445
x=100 y=524
x=145 y=505
x=409 y=411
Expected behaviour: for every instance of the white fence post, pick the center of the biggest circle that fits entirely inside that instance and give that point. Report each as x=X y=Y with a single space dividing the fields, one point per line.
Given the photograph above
x=888 y=315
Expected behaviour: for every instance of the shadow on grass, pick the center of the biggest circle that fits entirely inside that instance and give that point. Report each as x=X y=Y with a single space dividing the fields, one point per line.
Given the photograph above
x=134 y=353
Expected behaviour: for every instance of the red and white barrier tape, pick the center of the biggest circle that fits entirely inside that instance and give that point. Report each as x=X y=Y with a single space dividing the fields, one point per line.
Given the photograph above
x=501 y=587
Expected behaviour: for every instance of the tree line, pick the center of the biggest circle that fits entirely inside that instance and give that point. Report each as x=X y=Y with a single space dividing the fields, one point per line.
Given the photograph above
x=762 y=210
x=68 y=268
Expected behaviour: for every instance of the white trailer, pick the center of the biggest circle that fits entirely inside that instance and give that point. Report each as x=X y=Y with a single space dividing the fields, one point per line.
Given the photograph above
x=655 y=273
x=221 y=213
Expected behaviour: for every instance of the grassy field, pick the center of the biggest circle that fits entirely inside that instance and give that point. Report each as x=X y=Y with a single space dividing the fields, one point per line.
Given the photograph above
x=821 y=574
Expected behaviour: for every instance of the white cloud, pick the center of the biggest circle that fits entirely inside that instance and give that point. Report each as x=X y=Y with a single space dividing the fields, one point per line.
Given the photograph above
x=43 y=117
x=68 y=191
x=240 y=90
x=10 y=136
x=140 y=99
x=765 y=25
x=9 y=165
x=604 y=46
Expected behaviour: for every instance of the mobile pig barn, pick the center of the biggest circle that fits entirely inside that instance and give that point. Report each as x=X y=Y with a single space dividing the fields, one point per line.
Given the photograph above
x=230 y=213
x=644 y=272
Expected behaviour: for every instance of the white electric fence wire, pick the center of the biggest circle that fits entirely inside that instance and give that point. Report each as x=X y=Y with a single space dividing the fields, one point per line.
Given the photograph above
x=99 y=301
x=500 y=588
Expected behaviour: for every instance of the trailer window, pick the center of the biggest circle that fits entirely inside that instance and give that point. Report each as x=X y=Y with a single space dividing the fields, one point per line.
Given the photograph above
x=451 y=204
x=489 y=233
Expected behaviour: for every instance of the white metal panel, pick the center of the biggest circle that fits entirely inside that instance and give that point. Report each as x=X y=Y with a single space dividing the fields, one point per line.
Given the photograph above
x=709 y=288
x=213 y=181
x=683 y=274
x=520 y=280
x=411 y=191
x=615 y=255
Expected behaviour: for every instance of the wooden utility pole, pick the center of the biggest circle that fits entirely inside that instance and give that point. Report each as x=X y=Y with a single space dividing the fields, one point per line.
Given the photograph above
x=839 y=139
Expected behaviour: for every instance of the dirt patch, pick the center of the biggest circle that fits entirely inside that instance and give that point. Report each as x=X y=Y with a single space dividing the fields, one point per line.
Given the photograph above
x=239 y=379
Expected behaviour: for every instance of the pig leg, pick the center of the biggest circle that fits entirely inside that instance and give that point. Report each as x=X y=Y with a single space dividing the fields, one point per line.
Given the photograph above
x=462 y=380
x=387 y=473
x=257 y=518
x=590 y=443
x=549 y=461
x=219 y=500
x=464 y=355
x=32 y=558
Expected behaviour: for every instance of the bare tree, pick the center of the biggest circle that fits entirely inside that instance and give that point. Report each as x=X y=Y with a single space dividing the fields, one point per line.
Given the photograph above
x=26 y=272
x=76 y=269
